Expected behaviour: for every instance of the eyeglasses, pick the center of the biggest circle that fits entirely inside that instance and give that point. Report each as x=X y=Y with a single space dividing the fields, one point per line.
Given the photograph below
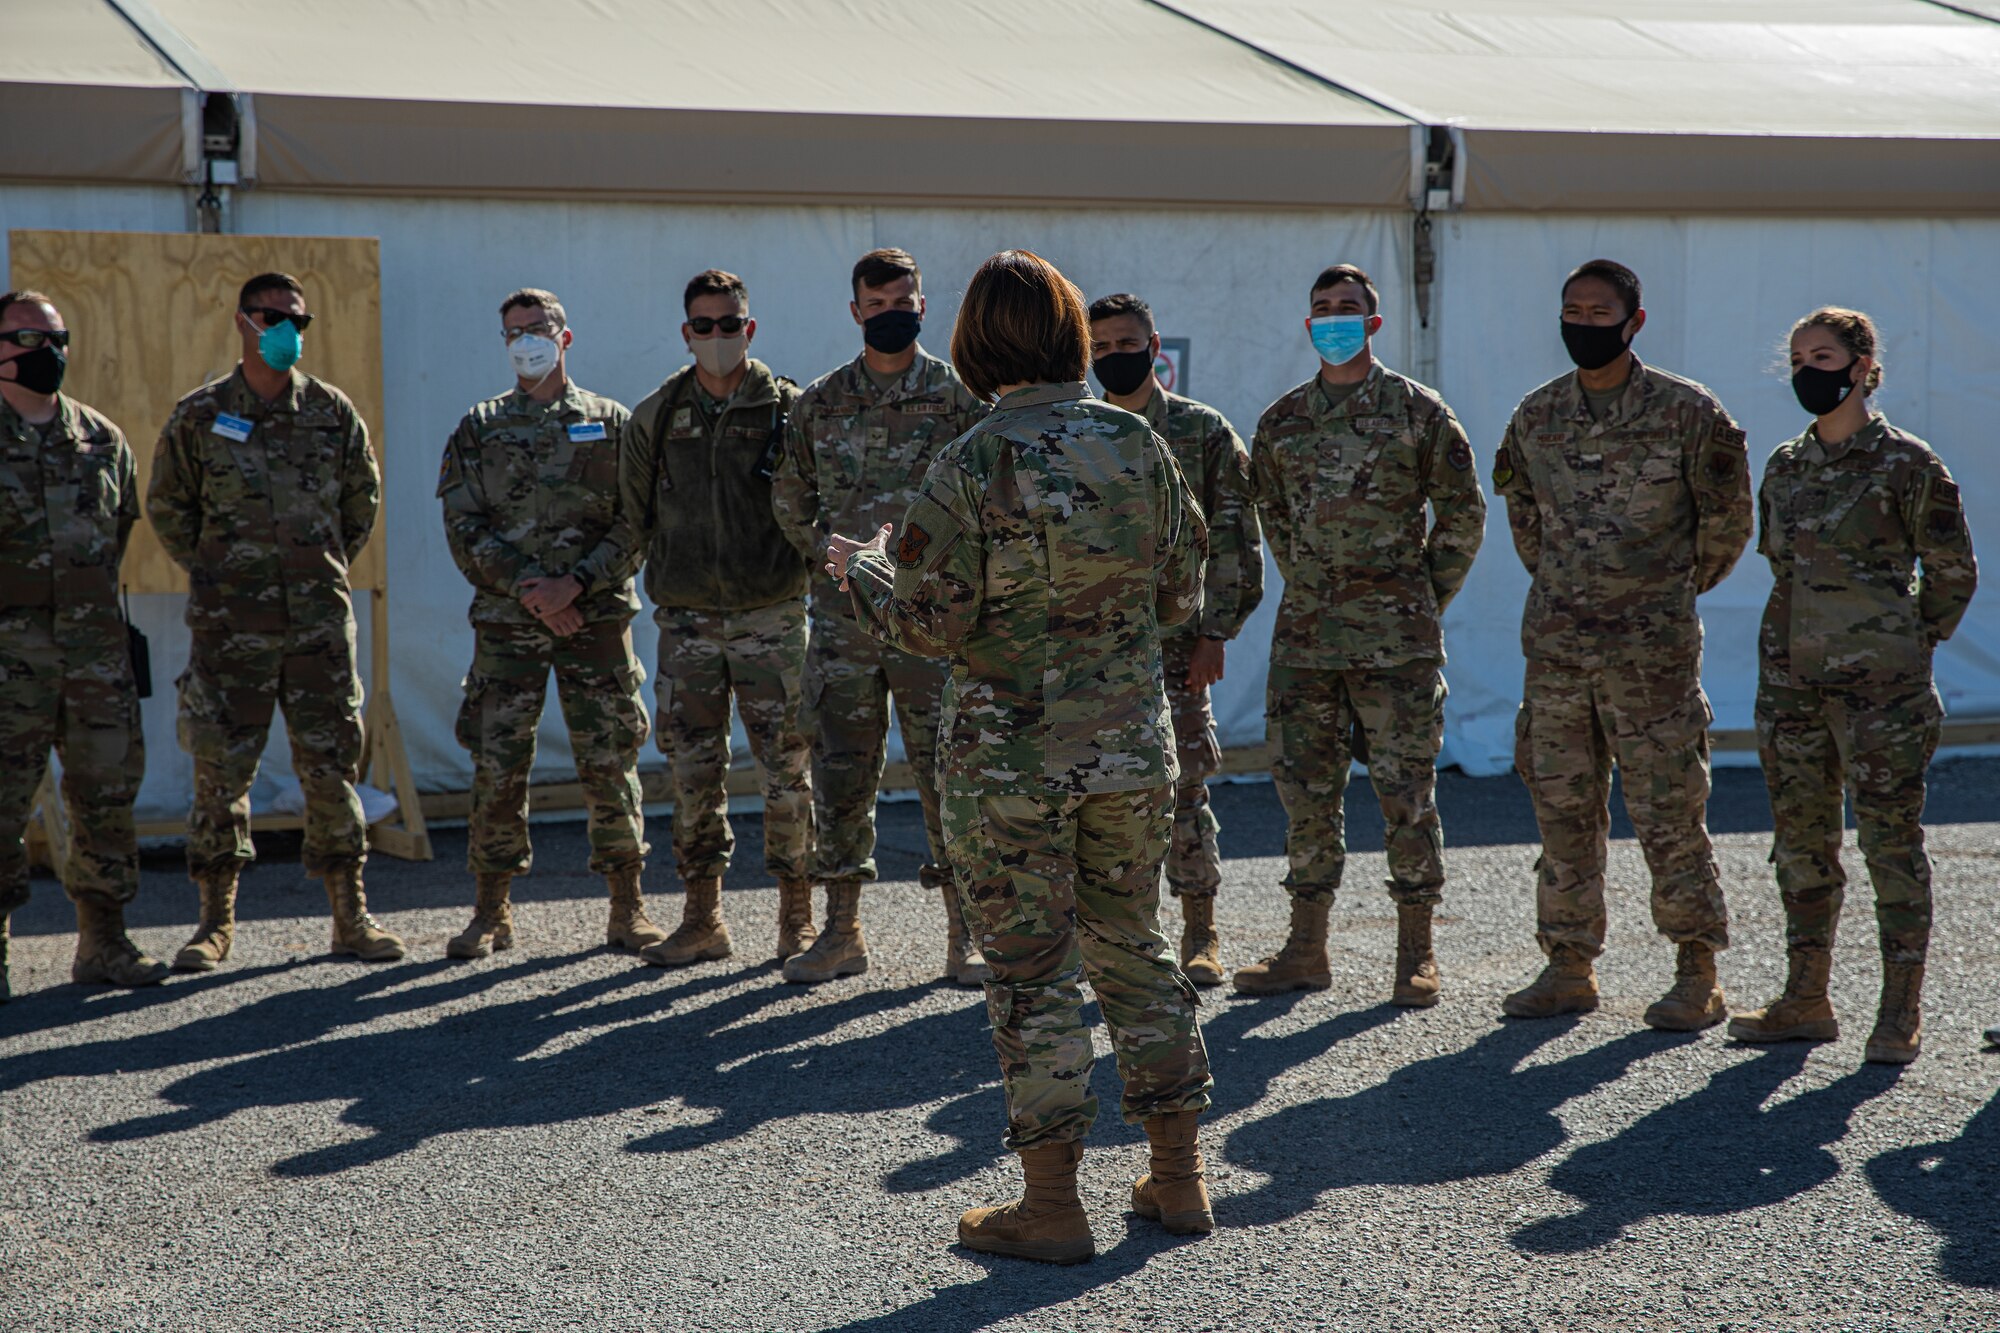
x=30 y=339
x=541 y=328
x=731 y=325
x=270 y=318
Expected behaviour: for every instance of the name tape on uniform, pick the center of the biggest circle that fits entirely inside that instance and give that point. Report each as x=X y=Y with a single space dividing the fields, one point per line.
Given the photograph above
x=233 y=428
x=587 y=432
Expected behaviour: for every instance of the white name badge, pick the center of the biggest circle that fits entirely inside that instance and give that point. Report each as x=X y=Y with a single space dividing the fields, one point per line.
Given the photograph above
x=233 y=428
x=589 y=432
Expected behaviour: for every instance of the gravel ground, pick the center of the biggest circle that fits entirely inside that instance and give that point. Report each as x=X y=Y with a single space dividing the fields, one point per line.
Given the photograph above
x=559 y=1138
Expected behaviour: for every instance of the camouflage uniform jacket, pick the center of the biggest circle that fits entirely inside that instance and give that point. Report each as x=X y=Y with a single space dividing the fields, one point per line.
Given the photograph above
x=1050 y=544
x=855 y=453
x=1622 y=521
x=1845 y=527
x=265 y=504
x=68 y=501
x=530 y=490
x=697 y=493
x=1214 y=461
x=1342 y=490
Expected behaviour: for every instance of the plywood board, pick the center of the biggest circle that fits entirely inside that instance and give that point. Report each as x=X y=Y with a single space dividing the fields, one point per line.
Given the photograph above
x=152 y=317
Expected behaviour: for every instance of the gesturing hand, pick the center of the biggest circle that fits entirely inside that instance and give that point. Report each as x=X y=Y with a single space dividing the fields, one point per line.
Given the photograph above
x=839 y=548
x=1205 y=664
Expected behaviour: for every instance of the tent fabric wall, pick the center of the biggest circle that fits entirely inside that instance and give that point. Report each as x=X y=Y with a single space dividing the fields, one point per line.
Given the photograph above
x=102 y=104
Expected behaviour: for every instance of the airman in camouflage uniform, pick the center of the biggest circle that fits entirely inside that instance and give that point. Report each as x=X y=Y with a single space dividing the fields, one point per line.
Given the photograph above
x=1344 y=466
x=1873 y=568
x=728 y=589
x=1626 y=497
x=264 y=490
x=1046 y=548
x=859 y=442
x=1125 y=346
x=68 y=500
x=530 y=491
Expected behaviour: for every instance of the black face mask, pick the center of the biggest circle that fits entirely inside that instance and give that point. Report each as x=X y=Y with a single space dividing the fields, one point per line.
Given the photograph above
x=1594 y=346
x=1820 y=391
x=891 y=330
x=41 y=371
x=1123 y=372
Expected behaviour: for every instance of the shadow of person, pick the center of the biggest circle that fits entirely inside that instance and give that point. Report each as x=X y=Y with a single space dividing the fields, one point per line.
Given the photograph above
x=69 y=1004
x=1751 y=1155
x=1953 y=1186
x=1473 y=1112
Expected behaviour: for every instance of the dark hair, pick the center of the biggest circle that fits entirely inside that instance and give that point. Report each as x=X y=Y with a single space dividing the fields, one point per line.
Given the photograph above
x=1020 y=322
x=25 y=296
x=534 y=298
x=1852 y=329
x=1339 y=273
x=1121 y=303
x=1621 y=279
x=879 y=268
x=714 y=282
x=268 y=282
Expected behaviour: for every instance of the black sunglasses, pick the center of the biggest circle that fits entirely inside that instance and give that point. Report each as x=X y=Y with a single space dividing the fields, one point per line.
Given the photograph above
x=270 y=319
x=729 y=324
x=30 y=339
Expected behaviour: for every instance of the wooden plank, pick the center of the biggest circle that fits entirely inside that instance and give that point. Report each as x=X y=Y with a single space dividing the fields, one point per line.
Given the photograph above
x=48 y=831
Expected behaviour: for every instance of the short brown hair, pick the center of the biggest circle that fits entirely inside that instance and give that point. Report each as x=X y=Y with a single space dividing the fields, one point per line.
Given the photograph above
x=534 y=298
x=1021 y=322
x=1339 y=273
x=714 y=282
x=1122 y=303
x=268 y=282
x=879 y=268
x=25 y=296
x=1620 y=279
x=1853 y=330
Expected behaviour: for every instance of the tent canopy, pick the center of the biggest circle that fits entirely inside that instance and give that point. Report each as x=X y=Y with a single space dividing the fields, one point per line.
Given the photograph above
x=103 y=103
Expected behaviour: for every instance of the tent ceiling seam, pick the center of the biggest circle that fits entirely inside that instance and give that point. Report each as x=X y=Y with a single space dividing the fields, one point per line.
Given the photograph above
x=1964 y=10
x=172 y=46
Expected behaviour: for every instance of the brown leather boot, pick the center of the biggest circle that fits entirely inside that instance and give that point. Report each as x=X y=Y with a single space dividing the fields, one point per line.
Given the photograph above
x=701 y=936
x=217 y=930
x=796 y=931
x=1417 y=982
x=1174 y=1193
x=1802 y=1013
x=1047 y=1222
x=354 y=930
x=1567 y=985
x=105 y=955
x=964 y=965
x=1694 y=1001
x=1302 y=964
x=1899 y=1021
x=841 y=950
x=492 y=926
x=629 y=926
x=1201 y=951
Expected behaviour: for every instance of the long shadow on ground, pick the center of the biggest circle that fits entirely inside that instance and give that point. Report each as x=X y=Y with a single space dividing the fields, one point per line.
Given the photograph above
x=1954 y=1186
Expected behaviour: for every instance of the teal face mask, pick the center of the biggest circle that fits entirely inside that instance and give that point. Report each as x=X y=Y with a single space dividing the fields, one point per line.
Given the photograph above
x=281 y=345
x=1339 y=338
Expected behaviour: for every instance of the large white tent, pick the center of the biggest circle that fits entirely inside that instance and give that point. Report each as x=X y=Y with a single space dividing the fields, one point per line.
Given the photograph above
x=1751 y=160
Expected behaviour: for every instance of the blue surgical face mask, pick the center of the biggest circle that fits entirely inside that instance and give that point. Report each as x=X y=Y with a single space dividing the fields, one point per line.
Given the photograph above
x=281 y=345
x=1339 y=338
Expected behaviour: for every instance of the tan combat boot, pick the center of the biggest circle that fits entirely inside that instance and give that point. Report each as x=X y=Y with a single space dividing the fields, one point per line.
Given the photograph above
x=796 y=931
x=217 y=930
x=1201 y=951
x=1567 y=985
x=841 y=950
x=1694 y=1001
x=1302 y=964
x=1047 y=1222
x=1417 y=983
x=1174 y=1193
x=1802 y=1013
x=629 y=926
x=1899 y=1022
x=492 y=925
x=963 y=963
x=105 y=955
x=354 y=930
x=700 y=936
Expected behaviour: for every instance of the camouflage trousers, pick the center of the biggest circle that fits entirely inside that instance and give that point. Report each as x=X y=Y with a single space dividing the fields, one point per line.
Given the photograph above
x=1398 y=713
x=73 y=691
x=757 y=657
x=1059 y=889
x=234 y=683
x=1816 y=744
x=597 y=684
x=849 y=679
x=1574 y=723
x=1194 y=864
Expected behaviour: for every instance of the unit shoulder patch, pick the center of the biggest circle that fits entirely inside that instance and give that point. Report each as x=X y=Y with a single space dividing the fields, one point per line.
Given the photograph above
x=1503 y=467
x=1459 y=456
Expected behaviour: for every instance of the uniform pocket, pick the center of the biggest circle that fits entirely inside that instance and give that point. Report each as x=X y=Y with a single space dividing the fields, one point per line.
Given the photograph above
x=629 y=705
x=471 y=724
